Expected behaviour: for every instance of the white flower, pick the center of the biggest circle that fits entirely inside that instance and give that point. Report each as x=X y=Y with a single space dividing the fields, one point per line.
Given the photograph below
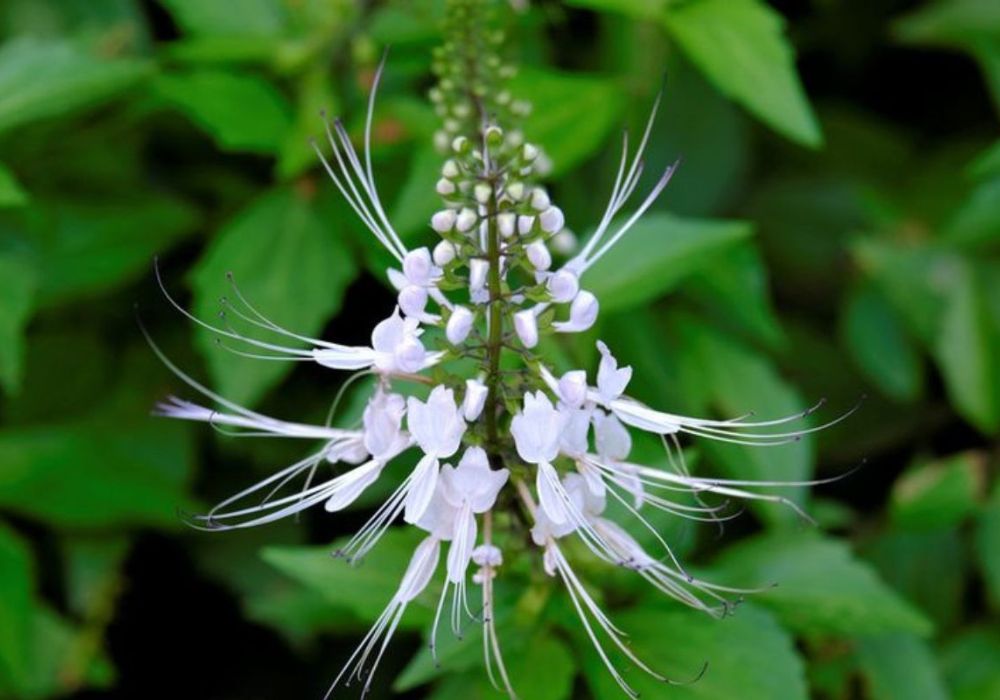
x=611 y=381
x=459 y=325
x=526 y=327
x=383 y=419
x=412 y=300
x=444 y=252
x=552 y=220
x=537 y=429
x=474 y=400
x=611 y=438
x=582 y=314
x=574 y=439
x=397 y=345
x=572 y=388
x=437 y=428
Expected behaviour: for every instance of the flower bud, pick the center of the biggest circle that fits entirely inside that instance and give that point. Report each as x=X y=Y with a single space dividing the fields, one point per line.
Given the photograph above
x=507 y=222
x=460 y=144
x=515 y=190
x=487 y=555
x=418 y=267
x=475 y=399
x=573 y=388
x=444 y=220
x=445 y=187
x=477 y=274
x=466 y=220
x=538 y=255
x=564 y=242
x=524 y=224
x=583 y=311
x=563 y=286
x=529 y=152
x=552 y=220
x=444 y=253
x=494 y=136
x=526 y=326
x=450 y=169
x=540 y=199
x=482 y=192
x=459 y=325
x=412 y=300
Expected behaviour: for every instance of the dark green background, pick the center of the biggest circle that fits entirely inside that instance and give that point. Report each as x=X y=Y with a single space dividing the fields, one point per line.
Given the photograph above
x=832 y=232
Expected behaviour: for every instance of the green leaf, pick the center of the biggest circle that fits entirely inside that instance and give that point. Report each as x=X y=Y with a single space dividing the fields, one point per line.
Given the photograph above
x=289 y=265
x=741 y=47
x=927 y=567
x=18 y=281
x=749 y=656
x=16 y=609
x=11 y=193
x=558 y=100
x=314 y=95
x=988 y=545
x=951 y=22
x=970 y=663
x=656 y=254
x=364 y=590
x=41 y=79
x=821 y=588
x=735 y=288
x=968 y=350
x=939 y=494
x=96 y=474
x=880 y=345
x=234 y=17
x=977 y=220
x=640 y=9
x=900 y=667
x=413 y=207
x=241 y=112
x=89 y=247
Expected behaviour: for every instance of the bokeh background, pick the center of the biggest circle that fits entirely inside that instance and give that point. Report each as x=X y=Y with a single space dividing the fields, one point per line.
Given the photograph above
x=832 y=232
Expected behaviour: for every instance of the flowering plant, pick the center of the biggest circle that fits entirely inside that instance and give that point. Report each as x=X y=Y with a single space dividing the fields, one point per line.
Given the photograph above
x=508 y=448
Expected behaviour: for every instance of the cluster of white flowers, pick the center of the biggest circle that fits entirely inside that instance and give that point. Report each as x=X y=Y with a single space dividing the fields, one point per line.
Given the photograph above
x=488 y=288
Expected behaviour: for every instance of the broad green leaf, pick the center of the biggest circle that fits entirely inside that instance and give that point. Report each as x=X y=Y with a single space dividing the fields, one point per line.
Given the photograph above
x=977 y=220
x=927 y=567
x=16 y=609
x=749 y=656
x=18 y=281
x=62 y=659
x=915 y=280
x=970 y=664
x=242 y=112
x=900 y=667
x=821 y=588
x=938 y=494
x=41 y=79
x=880 y=345
x=987 y=164
x=656 y=254
x=290 y=265
x=234 y=17
x=558 y=101
x=416 y=201
x=968 y=350
x=740 y=380
x=988 y=545
x=92 y=566
x=96 y=474
x=741 y=47
x=314 y=97
x=89 y=247
x=735 y=287
x=949 y=22
x=640 y=9
x=11 y=193
x=364 y=590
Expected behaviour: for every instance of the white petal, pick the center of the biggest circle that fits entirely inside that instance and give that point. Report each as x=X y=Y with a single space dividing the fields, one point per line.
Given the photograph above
x=547 y=484
x=425 y=476
x=420 y=570
x=462 y=543
x=347 y=494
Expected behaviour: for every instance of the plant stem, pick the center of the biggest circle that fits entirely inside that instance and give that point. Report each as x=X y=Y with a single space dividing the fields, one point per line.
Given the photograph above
x=494 y=342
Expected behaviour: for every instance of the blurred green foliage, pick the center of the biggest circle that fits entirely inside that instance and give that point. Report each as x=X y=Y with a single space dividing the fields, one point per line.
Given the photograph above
x=827 y=247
